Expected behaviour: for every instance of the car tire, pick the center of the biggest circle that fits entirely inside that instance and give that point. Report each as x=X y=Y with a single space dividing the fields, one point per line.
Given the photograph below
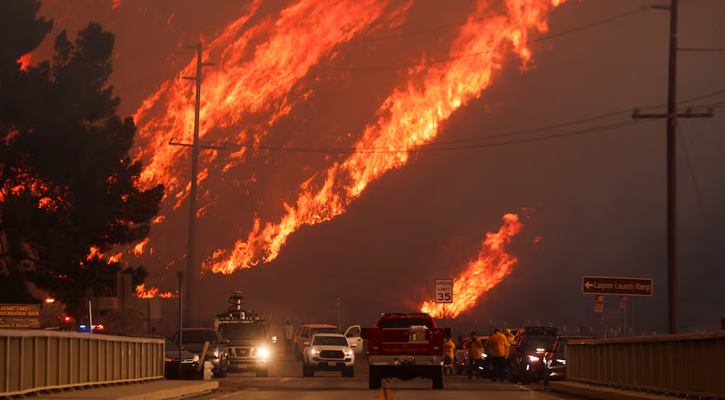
x=437 y=377
x=298 y=353
x=307 y=371
x=262 y=373
x=348 y=372
x=374 y=380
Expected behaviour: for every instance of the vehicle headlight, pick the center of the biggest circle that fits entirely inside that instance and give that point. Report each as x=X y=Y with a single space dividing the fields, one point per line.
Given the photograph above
x=484 y=355
x=534 y=359
x=541 y=350
x=169 y=359
x=212 y=353
x=262 y=353
x=561 y=361
x=348 y=352
x=196 y=358
x=313 y=351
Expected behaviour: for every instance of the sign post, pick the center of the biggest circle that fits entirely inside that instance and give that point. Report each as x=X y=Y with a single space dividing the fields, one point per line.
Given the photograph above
x=623 y=310
x=617 y=286
x=444 y=290
x=599 y=309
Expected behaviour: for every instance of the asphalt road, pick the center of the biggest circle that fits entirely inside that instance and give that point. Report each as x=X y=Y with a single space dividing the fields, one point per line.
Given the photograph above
x=285 y=381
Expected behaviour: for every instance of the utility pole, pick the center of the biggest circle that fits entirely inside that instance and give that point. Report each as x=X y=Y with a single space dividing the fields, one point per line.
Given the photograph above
x=671 y=116
x=193 y=270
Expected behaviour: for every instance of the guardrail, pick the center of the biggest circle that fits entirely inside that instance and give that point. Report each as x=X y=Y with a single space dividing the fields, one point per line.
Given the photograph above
x=35 y=360
x=683 y=364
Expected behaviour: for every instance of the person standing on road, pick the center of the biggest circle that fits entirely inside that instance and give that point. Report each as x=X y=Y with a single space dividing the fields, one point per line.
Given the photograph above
x=475 y=348
x=449 y=349
x=289 y=332
x=497 y=349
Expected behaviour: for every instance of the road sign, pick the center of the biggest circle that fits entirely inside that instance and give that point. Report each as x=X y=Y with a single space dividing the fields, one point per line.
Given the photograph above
x=622 y=302
x=620 y=286
x=598 y=304
x=444 y=290
x=19 y=316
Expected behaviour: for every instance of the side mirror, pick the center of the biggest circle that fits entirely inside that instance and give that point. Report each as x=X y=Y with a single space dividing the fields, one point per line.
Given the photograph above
x=353 y=345
x=225 y=340
x=513 y=343
x=448 y=332
x=364 y=333
x=306 y=344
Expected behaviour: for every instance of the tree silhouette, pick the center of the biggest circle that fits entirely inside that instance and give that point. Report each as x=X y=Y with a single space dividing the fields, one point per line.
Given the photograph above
x=68 y=183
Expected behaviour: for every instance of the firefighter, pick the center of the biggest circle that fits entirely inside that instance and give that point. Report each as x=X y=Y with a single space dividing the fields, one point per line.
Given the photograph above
x=509 y=339
x=475 y=349
x=497 y=347
x=449 y=349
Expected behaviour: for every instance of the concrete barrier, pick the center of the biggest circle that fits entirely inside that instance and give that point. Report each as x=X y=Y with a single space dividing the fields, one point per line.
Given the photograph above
x=691 y=364
x=34 y=360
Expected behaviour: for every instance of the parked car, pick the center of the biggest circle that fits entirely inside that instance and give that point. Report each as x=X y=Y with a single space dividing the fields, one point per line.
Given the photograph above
x=305 y=332
x=555 y=360
x=193 y=339
x=172 y=357
x=328 y=352
x=527 y=354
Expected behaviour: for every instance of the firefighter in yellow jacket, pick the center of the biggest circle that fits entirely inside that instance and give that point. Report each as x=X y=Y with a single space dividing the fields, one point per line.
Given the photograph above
x=497 y=347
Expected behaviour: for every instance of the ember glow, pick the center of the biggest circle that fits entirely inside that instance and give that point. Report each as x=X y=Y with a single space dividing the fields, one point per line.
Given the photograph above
x=25 y=61
x=407 y=119
x=139 y=248
x=142 y=293
x=491 y=267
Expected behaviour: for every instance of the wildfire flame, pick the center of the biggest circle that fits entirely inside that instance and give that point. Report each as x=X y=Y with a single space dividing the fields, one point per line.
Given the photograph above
x=139 y=248
x=408 y=119
x=25 y=61
x=306 y=31
x=142 y=293
x=491 y=267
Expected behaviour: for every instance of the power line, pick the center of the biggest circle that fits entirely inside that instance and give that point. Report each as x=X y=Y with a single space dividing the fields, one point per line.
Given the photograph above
x=579 y=132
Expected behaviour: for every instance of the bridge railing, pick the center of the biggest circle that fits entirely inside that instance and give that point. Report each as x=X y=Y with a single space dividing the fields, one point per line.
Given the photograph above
x=35 y=360
x=690 y=364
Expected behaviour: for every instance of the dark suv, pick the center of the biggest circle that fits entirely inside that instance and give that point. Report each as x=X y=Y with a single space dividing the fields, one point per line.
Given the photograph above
x=527 y=354
x=194 y=339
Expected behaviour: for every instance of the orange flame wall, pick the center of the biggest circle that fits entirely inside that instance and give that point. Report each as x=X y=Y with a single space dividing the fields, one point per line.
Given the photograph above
x=305 y=32
x=408 y=118
x=491 y=267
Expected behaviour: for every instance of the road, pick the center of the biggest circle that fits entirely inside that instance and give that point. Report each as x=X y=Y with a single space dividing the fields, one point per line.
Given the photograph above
x=286 y=382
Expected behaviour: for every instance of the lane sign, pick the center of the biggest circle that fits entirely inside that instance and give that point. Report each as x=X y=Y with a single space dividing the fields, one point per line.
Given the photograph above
x=599 y=304
x=615 y=285
x=444 y=290
x=622 y=302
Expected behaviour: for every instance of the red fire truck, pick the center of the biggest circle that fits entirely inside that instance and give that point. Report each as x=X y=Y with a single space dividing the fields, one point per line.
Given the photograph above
x=405 y=346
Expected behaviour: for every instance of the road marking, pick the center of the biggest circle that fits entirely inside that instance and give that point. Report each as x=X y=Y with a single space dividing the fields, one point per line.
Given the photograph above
x=285 y=380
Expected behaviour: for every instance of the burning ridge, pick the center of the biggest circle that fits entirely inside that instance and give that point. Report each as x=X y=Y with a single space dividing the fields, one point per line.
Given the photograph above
x=407 y=119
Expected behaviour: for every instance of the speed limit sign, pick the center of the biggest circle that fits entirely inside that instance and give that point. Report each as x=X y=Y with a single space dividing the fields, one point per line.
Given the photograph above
x=444 y=290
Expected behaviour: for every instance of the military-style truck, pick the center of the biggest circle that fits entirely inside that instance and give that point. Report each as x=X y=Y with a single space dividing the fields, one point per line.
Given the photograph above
x=405 y=346
x=249 y=347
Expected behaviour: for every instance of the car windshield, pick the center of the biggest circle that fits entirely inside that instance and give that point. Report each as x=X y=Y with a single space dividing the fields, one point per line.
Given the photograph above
x=199 y=336
x=405 y=323
x=539 y=342
x=330 y=341
x=170 y=345
x=322 y=330
x=242 y=331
